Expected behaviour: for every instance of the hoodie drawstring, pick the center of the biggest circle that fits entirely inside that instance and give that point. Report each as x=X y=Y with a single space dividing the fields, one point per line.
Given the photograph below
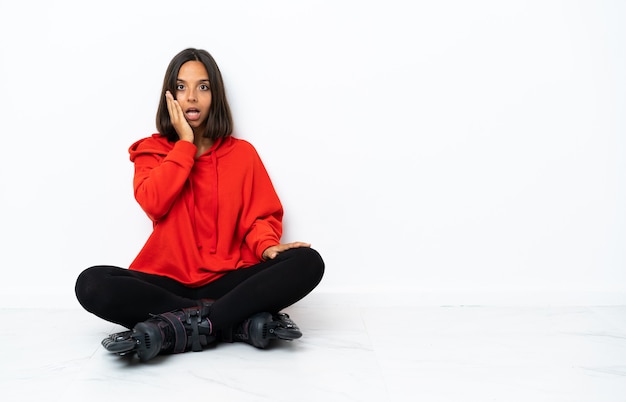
x=213 y=207
x=214 y=210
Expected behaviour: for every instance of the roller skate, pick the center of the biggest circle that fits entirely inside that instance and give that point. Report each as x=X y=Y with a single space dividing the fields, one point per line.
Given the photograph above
x=264 y=327
x=167 y=333
x=120 y=343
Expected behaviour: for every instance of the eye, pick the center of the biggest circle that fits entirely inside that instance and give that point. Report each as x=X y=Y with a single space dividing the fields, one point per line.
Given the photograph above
x=205 y=87
x=180 y=87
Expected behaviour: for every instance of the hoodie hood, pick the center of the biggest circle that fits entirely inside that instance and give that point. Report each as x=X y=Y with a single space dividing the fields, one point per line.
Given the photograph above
x=151 y=145
x=159 y=145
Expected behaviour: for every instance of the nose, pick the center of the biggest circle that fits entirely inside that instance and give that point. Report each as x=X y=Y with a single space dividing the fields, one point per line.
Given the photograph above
x=191 y=95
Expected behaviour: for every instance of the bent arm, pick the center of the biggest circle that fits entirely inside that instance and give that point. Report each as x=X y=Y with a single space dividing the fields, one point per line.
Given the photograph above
x=264 y=211
x=159 y=180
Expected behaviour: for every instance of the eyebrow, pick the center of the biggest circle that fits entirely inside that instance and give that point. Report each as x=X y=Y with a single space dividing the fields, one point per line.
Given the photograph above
x=203 y=80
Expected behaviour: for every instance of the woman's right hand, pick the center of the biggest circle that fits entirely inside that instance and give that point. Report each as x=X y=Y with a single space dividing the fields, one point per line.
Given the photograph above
x=182 y=127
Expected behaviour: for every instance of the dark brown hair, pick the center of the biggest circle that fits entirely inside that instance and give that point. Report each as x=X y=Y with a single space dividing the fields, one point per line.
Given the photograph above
x=219 y=122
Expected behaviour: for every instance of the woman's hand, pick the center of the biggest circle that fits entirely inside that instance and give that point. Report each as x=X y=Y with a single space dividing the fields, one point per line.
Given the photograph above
x=271 y=252
x=182 y=127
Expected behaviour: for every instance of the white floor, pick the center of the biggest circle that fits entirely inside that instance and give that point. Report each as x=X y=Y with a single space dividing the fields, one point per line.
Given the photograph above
x=351 y=350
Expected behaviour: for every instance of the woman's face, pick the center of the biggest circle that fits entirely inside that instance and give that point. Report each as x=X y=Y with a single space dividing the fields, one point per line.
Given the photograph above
x=193 y=93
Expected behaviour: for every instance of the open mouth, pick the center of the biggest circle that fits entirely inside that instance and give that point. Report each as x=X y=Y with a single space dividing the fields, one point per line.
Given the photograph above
x=192 y=114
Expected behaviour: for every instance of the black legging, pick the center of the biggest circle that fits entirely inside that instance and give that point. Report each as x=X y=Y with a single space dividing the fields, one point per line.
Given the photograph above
x=127 y=297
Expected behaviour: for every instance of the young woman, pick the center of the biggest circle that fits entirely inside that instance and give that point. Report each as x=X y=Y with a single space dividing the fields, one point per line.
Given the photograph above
x=214 y=267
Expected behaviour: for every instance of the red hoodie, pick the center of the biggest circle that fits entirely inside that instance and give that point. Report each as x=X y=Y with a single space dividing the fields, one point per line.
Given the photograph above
x=210 y=215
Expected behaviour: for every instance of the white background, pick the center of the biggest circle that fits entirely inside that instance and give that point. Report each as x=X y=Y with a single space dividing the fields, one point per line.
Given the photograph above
x=451 y=151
